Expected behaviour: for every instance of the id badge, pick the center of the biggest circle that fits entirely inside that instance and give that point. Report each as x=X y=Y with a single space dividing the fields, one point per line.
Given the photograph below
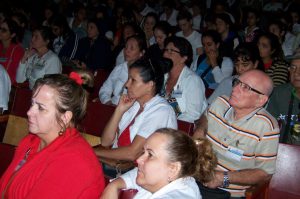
x=177 y=93
x=234 y=153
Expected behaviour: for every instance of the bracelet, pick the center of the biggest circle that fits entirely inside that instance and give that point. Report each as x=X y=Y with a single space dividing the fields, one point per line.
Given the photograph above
x=226 y=179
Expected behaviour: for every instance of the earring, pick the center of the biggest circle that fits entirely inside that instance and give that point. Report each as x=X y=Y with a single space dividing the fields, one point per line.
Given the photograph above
x=61 y=132
x=169 y=180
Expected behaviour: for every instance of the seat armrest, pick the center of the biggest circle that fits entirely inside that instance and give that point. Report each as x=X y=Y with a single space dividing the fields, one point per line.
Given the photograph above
x=258 y=191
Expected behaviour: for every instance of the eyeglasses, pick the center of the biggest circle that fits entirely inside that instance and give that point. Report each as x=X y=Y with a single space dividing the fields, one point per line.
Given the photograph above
x=244 y=86
x=3 y=30
x=171 y=51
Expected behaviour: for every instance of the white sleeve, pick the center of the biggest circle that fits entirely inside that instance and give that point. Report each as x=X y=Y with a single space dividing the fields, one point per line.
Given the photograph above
x=194 y=64
x=107 y=88
x=193 y=95
x=21 y=72
x=162 y=116
x=225 y=70
x=5 y=85
x=53 y=65
x=130 y=179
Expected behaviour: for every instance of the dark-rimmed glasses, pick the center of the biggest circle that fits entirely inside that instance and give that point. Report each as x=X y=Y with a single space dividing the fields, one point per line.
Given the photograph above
x=169 y=50
x=244 y=86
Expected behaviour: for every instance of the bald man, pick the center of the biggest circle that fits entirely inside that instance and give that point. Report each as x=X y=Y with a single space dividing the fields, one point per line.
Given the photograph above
x=243 y=134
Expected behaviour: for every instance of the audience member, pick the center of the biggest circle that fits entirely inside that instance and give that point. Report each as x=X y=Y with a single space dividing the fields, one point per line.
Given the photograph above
x=149 y=22
x=39 y=59
x=11 y=51
x=271 y=55
x=113 y=87
x=185 y=23
x=243 y=134
x=5 y=86
x=245 y=58
x=183 y=89
x=138 y=114
x=54 y=161
x=22 y=20
x=284 y=104
x=169 y=13
x=170 y=162
x=78 y=23
x=94 y=51
x=212 y=66
x=252 y=31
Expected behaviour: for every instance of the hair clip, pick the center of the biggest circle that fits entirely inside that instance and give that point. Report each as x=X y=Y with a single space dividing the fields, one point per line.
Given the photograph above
x=76 y=77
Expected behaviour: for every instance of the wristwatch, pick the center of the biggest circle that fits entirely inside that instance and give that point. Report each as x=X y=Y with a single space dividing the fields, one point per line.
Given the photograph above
x=226 y=179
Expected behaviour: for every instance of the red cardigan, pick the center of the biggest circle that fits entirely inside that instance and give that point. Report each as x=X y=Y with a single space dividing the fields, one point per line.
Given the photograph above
x=67 y=168
x=11 y=59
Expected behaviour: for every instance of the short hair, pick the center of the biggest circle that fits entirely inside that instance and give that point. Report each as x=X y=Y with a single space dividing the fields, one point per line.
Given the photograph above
x=61 y=22
x=224 y=17
x=184 y=14
x=247 y=51
x=153 y=70
x=163 y=26
x=46 y=34
x=70 y=96
x=140 y=39
x=197 y=158
x=184 y=47
x=216 y=37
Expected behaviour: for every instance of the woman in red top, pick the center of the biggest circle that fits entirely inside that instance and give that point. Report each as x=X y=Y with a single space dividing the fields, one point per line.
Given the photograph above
x=54 y=161
x=11 y=51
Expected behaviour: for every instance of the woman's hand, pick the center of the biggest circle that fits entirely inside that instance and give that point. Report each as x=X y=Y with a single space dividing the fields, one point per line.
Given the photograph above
x=125 y=103
x=212 y=58
x=28 y=53
x=113 y=188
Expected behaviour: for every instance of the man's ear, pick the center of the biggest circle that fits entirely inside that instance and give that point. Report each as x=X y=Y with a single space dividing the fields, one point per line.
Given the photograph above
x=262 y=100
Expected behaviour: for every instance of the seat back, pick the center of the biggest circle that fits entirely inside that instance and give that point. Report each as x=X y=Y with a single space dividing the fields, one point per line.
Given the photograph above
x=17 y=126
x=285 y=183
x=186 y=127
x=6 y=155
x=96 y=118
x=100 y=76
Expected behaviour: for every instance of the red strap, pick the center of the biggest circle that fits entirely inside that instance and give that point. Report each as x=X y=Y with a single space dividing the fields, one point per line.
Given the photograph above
x=124 y=139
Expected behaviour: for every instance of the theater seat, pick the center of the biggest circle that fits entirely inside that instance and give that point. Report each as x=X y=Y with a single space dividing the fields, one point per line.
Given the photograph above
x=186 y=127
x=6 y=155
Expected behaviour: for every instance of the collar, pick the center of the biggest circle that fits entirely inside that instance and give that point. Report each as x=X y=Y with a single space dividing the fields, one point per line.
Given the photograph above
x=229 y=115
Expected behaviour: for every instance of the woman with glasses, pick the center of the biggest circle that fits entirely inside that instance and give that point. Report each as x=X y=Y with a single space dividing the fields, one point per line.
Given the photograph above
x=39 y=59
x=138 y=114
x=245 y=58
x=183 y=89
x=11 y=50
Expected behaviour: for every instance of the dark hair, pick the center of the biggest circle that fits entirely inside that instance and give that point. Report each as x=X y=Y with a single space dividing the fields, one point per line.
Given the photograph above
x=280 y=24
x=140 y=40
x=184 y=14
x=46 y=34
x=70 y=96
x=214 y=35
x=14 y=28
x=153 y=70
x=224 y=17
x=254 y=11
x=22 y=18
x=247 y=51
x=153 y=15
x=197 y=158
x=184 y=47
x=61 y=22
x=164 y=27
x=100 y=24
x=275 y=45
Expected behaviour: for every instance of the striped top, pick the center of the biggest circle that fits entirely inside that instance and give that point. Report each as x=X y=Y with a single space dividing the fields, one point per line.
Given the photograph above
x=278 y=72
x=254 y=139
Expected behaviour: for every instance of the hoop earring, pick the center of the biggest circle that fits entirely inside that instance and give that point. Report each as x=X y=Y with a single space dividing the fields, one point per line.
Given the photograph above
x=61 y=132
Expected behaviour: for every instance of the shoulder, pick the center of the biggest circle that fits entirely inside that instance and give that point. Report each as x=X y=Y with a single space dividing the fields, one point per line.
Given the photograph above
x=227 y=60
x=263 y=117
x=158 y=105
x=221 y=102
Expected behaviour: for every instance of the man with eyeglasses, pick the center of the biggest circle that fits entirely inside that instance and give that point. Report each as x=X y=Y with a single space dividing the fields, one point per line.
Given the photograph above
x=243 y=134
x=284 y=104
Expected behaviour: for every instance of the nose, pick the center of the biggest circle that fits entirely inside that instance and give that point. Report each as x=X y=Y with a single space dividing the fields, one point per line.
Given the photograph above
x=140 y=159
x=30 y=111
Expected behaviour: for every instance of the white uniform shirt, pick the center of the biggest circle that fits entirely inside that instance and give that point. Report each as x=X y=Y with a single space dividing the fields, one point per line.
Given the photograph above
x=194 y=39
x=192 y=101
x=36 y=67
x=5 y=86
x=181 y=188
x=157 y=114
x=172 y=20
x=113 y=87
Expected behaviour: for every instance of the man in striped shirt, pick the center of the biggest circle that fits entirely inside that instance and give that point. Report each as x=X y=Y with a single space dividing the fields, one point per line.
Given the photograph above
x=243 y=134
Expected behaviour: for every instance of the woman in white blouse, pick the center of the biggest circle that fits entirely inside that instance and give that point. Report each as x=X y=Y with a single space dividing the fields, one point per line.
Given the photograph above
x=170 y=162
x=39 y=59
x=137 y=115
x=113 y=87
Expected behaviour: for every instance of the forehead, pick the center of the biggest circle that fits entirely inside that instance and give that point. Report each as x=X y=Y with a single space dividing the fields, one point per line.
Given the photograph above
x=295 y=63
x=45 y=94
x=157 y=142
x=171 y=45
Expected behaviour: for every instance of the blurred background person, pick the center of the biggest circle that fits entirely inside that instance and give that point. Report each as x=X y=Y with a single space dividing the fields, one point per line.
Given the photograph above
x=39 y=59
x=11 y=50
x=5 y=86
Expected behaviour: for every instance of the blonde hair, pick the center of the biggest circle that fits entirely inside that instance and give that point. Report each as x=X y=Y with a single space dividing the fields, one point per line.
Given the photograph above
x=197 y=158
